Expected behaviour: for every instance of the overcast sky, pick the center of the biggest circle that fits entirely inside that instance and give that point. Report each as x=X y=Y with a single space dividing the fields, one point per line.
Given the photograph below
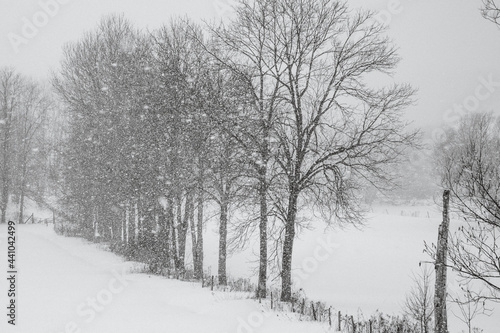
x=449 y=51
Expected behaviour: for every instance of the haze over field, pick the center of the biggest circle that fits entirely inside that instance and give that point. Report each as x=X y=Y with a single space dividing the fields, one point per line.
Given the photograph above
x=250 y=166
x=446 y=46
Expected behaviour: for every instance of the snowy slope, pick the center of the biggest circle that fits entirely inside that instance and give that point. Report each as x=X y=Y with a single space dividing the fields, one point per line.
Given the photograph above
x=68 y=285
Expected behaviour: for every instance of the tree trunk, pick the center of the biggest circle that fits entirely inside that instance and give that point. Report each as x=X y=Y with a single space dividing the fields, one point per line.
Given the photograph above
x=4 y=199
x=286 y=272
x=162 y=238
x=171 y=230
x=424 y=316
x=96 y=223
x=262 y=283
x=178 y=229
x=21 y=206
x=136 y=223
x=183 y=226
x=156 y=216
x=167 y=239
x=127 y=223
x=122 y=231
x=198 y=269
x=23 y=185
x=441 y=325
x=223 y=239
x=194 y=240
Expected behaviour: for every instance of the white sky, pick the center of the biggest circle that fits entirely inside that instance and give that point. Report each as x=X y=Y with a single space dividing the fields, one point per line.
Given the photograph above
x=446 y=46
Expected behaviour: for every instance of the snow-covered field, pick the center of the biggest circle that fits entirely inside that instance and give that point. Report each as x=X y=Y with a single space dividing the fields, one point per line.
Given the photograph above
x=366 y=270
x=69 y=285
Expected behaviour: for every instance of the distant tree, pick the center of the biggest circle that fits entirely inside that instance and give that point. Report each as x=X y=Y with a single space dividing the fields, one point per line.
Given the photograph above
x=415 y=178
x=11 y=88
x=104 y=163
x=30 y=119
x=23 y=106
x=467 y=159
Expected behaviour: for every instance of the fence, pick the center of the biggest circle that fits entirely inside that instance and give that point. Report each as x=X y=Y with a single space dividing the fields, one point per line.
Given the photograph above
x=305 y=309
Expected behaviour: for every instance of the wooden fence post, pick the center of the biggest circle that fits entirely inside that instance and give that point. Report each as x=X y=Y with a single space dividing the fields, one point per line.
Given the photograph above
x=313 y=310
x=441 y=325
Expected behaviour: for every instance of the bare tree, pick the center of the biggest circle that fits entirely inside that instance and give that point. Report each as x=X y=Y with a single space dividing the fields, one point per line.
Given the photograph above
x=29 y=122
x=243 y=47
x=467 y=160
x=305 y=62
x=11 y=89
x=332 y=129
x=23 y=106
x=227 y=165
x=491 y=11
x=95 y=83
x=469 y=308
x=419 y=301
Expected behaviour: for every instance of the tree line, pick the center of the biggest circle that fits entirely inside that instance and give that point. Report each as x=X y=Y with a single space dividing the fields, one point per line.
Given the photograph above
x=268 y=114
x=27 y=144
x=466 y=160
x=264 y=119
